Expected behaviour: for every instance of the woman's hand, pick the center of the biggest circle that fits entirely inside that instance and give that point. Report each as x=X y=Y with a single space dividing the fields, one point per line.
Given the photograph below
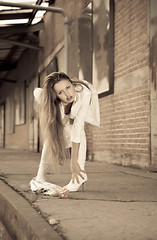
x=76 y=171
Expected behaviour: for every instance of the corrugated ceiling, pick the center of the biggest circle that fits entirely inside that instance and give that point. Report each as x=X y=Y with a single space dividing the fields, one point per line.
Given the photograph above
x=18 y=31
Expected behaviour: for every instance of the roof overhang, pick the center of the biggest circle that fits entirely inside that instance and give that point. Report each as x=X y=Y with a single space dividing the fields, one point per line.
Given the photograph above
x=19 y=29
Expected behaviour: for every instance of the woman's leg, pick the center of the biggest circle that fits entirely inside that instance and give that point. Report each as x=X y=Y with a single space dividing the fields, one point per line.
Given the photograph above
x=41 y=174
x=38 y=183
x=82 y=151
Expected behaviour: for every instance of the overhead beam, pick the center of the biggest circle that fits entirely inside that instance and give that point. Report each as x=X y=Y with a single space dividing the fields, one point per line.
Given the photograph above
x=7 y=80
x=48 y=9
x=7 y=67
x=16 y=15
x=38 y=48
x=35 y=7
x=21 y=29
x=34 y=12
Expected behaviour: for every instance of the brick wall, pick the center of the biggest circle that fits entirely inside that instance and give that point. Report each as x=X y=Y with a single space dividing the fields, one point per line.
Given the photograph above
x=131 y=39
x=124 y=134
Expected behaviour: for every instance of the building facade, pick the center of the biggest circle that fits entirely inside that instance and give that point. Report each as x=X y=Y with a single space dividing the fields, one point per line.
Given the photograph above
x=110 y=43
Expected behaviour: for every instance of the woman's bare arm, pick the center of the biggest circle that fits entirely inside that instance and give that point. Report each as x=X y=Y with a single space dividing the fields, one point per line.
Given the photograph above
x=75 y=168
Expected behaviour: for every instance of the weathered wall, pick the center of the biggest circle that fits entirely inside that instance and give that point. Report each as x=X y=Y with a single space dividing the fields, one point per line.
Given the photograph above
x=25 y=72
x=53 y=33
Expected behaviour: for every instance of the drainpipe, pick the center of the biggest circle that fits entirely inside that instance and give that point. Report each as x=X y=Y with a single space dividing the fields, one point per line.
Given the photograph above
x=48 y=9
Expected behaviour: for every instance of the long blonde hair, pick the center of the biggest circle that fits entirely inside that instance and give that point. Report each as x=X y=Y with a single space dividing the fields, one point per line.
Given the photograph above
x=50 y=118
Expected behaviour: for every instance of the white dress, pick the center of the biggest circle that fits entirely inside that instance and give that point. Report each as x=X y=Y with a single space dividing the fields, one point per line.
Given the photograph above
x=85 y=108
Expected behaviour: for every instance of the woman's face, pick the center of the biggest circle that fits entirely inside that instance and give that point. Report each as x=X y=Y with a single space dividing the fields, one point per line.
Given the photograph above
x=65 y=91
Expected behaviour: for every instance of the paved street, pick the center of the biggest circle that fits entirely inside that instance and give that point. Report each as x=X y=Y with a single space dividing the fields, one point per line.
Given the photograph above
x=117 y=203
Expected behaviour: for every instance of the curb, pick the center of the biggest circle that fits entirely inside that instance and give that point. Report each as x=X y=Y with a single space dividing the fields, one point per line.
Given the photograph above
x=20 y=219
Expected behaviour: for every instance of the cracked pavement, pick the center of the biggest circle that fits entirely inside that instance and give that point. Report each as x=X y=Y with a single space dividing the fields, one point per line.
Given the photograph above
x=117 y=203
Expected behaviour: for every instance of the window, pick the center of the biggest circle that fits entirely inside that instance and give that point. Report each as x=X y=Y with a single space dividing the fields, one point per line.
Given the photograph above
x=20 y=104
x=95 y=45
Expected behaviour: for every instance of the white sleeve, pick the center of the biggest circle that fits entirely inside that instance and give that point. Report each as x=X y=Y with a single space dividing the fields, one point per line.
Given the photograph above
x=37 y=94
x=78 y=124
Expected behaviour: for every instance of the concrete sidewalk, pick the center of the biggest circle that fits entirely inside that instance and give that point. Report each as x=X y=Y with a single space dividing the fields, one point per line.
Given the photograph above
x=118 y=203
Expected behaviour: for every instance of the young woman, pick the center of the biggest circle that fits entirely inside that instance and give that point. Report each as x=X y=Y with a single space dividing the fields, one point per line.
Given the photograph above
x=65 y=106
